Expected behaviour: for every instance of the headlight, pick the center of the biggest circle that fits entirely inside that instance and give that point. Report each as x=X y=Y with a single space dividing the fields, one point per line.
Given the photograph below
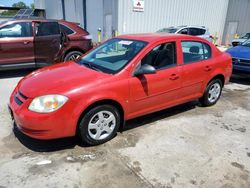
x=47 y=103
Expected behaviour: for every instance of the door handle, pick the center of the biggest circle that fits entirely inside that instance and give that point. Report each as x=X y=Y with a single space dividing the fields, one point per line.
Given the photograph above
x=208 y=68
x=26 y=42
x=174 y=77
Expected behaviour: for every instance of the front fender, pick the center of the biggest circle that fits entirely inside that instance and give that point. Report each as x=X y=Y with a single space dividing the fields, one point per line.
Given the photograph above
x=117 y=92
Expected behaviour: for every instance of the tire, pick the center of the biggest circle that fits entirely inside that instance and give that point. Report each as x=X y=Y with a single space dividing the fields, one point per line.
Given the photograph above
x=72 y=56
x=95 y=128
x=212 y=93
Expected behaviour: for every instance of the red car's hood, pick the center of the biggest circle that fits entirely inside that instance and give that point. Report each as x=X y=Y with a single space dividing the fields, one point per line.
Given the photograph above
x=59 y=79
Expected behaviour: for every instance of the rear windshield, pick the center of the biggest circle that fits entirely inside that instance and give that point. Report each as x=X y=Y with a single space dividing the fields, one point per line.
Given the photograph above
x=66 y=29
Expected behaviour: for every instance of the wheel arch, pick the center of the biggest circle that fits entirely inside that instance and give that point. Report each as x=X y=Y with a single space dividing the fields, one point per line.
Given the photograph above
x=218 y=76
x=103 y=102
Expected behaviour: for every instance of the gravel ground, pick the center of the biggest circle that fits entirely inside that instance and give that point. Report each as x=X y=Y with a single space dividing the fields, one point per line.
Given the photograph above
x=185 y=146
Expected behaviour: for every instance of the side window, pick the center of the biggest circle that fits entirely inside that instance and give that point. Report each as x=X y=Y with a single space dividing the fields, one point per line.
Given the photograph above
x=22 y=29
x=202 y=31
x=47 y=28
x=162 y=56
x=183 y=31
x=66 y=29
x=195 y=51
x=194 y=31
x=207 y=51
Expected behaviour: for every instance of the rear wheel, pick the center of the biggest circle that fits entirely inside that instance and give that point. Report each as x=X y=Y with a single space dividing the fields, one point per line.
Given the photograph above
x=99 y=125
x=212 y=93
x=72 y=56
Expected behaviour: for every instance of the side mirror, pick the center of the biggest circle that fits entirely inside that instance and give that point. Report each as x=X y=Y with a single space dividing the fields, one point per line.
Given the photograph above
x=144 y=69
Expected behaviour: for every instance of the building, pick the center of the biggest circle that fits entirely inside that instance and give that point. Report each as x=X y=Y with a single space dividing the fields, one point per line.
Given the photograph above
x=237 y=19
x=141 y=16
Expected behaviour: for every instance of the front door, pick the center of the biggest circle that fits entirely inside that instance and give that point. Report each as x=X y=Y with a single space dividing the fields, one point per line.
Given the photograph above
x=47 y=43
x=16 y=44
x=152 y=92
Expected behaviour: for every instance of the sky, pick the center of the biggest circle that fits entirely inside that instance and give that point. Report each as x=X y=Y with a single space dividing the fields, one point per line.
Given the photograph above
x=9 y=3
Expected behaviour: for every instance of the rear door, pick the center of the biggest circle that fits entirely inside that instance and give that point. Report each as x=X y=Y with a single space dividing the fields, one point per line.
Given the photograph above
x=47 y=43
x=16 y=44
x=197 y=65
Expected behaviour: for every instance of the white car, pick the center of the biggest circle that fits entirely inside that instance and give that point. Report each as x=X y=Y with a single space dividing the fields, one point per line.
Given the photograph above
x=240 y=40
x=199 y=31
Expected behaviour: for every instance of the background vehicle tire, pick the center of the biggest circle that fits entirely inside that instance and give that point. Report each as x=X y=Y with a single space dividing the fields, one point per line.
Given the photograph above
x=212 y=93
x=71 y=56
x=99 y=125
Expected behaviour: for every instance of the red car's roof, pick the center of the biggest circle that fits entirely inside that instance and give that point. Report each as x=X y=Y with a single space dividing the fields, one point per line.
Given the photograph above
x=151 y=37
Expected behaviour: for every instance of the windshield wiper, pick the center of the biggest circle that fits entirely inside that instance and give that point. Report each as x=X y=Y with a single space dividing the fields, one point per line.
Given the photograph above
x=89 y=65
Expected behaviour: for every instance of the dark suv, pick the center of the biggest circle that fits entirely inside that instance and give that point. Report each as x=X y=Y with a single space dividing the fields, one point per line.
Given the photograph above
x=31 y=43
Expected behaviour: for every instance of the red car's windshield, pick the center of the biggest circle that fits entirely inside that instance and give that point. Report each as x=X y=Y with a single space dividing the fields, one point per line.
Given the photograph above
x=113 y=55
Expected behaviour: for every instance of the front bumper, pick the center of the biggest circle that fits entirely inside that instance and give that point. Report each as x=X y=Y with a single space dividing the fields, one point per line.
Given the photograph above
x=37 y=125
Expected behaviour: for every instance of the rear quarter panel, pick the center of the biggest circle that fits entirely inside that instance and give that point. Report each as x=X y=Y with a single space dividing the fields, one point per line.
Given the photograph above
x=76 y=41
x=221 y=65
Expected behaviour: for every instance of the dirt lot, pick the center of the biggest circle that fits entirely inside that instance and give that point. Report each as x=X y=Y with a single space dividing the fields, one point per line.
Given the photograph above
x=185 y=146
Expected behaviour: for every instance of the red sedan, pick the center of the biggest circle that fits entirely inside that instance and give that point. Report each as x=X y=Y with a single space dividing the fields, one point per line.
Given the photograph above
x=125 y=77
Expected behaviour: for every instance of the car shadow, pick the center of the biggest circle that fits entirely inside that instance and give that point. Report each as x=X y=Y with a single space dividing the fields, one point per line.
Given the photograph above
x=15 y=73
x=240 y=80
x=166 y=113
x=45 y=145
x=71 y=142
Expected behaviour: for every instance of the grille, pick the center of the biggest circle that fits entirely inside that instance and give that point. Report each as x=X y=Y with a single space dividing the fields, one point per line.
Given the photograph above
x=17 y=100
x=22 y=95
x=20 y=98
x=243 y=62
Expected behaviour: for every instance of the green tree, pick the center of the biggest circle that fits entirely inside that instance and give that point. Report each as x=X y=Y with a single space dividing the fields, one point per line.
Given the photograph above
x=20 y=4
x=32 y=6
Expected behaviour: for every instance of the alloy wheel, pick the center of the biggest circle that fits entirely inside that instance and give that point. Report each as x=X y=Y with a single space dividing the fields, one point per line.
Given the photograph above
x=214 y=92
x=74 y=57
x=101 y=125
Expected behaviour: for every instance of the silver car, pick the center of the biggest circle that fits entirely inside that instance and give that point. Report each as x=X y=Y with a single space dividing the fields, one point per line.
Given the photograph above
x=199 y=31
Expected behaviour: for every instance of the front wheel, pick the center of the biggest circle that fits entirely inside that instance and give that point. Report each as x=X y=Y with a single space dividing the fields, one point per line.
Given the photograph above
x=99 y=125
x=212 y=93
